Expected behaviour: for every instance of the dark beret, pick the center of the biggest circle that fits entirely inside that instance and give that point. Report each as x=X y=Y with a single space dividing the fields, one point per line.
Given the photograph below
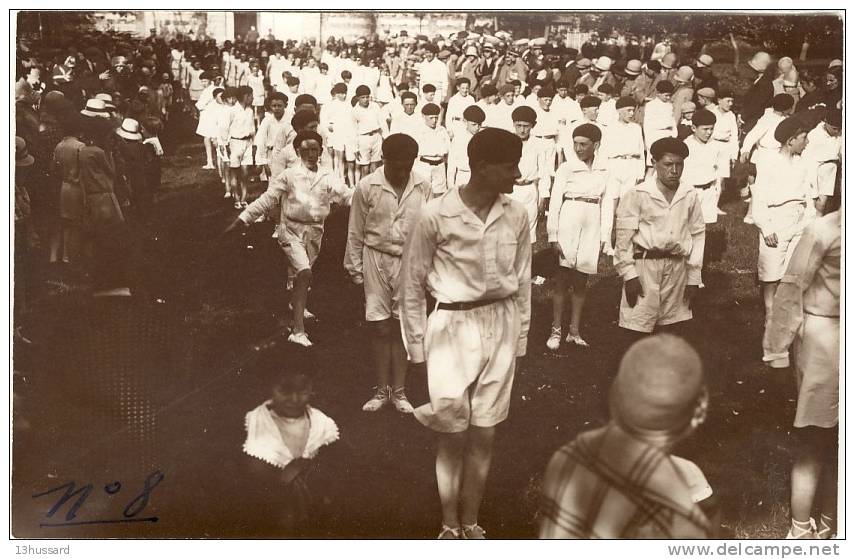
x=590 y=101
x=302 y=118
x=400 y=146
x=606 y=88
x=430 y=47
x=230 y=92
x=524 y=114
x=217 y=91
x=363 y=90
x=782 y=102
x=625 y=102
x=431 y=109
x=428 y=87
x=474 y=113
x=581 y=89
x=494 y=145
x=788 y=128
x=703 y=117
x=488 y=90
x=339 y=88
x=654 y=65
x=665 y=87
x=307 y=135
x=545 y=92
x=668 y=145
x=590 y=131
x=408 y=95
x=305 y=99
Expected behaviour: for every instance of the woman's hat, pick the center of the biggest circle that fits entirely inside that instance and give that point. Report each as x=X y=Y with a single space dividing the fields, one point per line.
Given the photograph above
x=96 y=107
x=129 y=130
x=22 y=156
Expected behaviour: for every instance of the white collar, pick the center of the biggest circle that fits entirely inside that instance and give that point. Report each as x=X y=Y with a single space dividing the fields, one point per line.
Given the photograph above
x=264 y=441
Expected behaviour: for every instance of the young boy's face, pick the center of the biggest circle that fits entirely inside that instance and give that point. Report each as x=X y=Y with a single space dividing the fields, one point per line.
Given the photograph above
x=508 y=97
x=562 y=92
x=230 y=101
x=472 y=127
x=431 y=120
x=364 y=100
x=429 y=95
x=545 y=102
x=626 y=114
x=703 y=133
x=725 y=104
x=463 y=89
x=591 y=113
x=409 y=106
x=278 y=108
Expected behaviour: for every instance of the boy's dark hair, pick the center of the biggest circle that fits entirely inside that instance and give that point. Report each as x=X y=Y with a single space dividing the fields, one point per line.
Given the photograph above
x=290 y=366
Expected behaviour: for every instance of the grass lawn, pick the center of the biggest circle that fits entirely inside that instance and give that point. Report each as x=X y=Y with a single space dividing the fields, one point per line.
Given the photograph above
x=233 y=298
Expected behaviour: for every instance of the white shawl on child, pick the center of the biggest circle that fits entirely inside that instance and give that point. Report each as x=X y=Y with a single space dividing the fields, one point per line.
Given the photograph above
x=263 y=440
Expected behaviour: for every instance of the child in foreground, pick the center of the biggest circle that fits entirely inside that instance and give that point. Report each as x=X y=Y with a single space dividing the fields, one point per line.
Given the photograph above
x=284 y=435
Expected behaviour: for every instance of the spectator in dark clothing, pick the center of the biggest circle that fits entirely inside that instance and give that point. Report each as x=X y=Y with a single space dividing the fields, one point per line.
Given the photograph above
x=754 y=101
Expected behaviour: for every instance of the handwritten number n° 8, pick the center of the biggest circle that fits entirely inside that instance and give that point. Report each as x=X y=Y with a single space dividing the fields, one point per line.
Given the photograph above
x=141 y=501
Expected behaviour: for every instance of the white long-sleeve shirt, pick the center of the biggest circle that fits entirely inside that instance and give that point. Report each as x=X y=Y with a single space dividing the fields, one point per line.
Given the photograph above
x=458 y=258
x=658 y=121
x=726 y=131
x=705 y=163
x=763 y=134
x=781 y=180
x=434 y=72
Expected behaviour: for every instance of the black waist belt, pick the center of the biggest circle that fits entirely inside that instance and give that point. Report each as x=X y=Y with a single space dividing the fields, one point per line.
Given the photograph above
x=643 y=254
x=244 y=138
x=705 y=186
x=585 y=199
x=430 y=161
x=469 y=305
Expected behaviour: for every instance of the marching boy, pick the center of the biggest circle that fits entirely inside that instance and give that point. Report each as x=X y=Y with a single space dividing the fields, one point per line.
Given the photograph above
x=385 y=206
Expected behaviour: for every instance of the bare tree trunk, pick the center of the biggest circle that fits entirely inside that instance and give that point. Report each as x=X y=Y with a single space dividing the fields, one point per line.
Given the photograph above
x=805 y=47
x=735 y=46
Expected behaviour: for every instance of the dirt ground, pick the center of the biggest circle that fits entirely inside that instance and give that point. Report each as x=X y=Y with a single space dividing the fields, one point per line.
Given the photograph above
x=230 y=297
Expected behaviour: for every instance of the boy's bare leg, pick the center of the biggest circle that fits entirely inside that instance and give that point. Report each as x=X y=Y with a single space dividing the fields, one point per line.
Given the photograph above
x=449 y=469
x=298 y=299
x=477 y=458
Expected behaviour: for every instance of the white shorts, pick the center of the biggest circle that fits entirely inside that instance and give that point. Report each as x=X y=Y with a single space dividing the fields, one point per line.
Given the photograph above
x=709 y=202
x=471 y=357
x=772 y=261
x=240 y=153
x=369 y=148
x=301 y=243
x=380 y=280
x=527 y=195
x=664 y=283
x=435 y=173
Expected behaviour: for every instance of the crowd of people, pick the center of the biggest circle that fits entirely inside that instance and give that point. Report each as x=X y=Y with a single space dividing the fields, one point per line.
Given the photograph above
x=450 y=151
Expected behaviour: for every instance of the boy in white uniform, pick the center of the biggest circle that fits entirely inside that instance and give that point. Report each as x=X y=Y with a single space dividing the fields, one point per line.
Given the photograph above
x=434 y=145
x=579 y=227
x=336 y=118
x=405 y=120
x=469 y=250
x=532 y=187
x=272 y=125
x=237 y=131
x=368 y=124
x=386 y=205
x=823 y=151
x=546 y=129
x=458 y=157
x=659 y=116
x=623 y=147
x=660 y=243
x=701 y=168
x=302 y=195
x=456 y=105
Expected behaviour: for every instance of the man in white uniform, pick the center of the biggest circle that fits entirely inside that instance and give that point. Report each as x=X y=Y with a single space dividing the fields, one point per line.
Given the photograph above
x=532 y=187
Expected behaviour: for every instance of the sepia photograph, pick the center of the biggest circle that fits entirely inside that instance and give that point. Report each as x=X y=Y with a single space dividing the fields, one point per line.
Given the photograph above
x=410 y=275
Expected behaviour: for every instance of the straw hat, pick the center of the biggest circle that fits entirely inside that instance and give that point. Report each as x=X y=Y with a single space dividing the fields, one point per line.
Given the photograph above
x=96 y=107
x=603 y=63
x=633 y=68
x=107 y=98
x=129 y=130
